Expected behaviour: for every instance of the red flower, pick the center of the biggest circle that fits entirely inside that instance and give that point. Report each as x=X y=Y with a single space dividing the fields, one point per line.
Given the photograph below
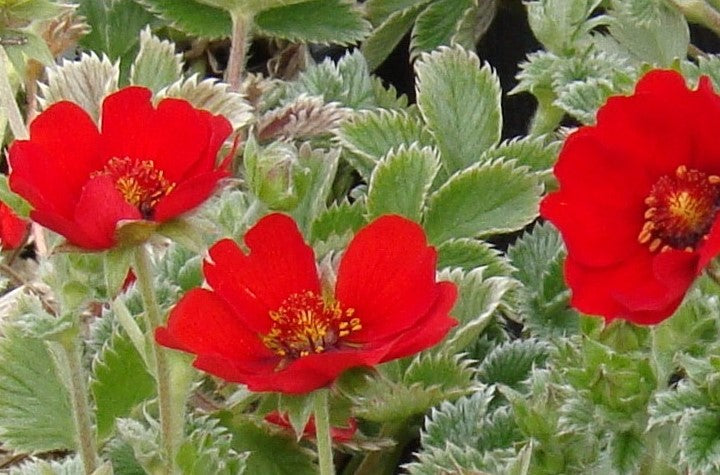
x=144 y=163
x=338 y=434
x=13 y=229
x=267 y=322
x=638 y=199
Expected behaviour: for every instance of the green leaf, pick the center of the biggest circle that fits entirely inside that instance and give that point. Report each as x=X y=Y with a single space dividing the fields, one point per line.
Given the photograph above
x=85 y=82
x=477 y=301
x=658 y=43
x=369 y=136
x=561 y=24
x=401 y=181
x=531 y=253
x=383 y=400
x=474 y=23
x=156 y=65
x=468 y=254
x=582 y=99
x=270 y=454
x=116 y=25
x=143 y=441
x=207 y=448
x=315 y=21
x=68 y=466
x=192 y=17
x=213 y=96
x=511 y=363
x=383 y=39
x=30 y=46
x=305 y=117
x=460 y=103
x=298 y=409
x=459 y=423
x=491 y=198
x=249 y=6
x=378 y=11
x=626 y=451
x=700 y=441
x=30 y=10
x=116 y=264
x=438 y=24
x=669 y=406
x=313 y=182
x=338 y=220
x=531 y=151
x=120 y=382
x=16 y=202
x=35 y=412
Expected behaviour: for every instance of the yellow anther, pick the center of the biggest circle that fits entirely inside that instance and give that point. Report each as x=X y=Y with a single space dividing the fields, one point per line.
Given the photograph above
x=714 y=179
x=655 y=244
x=681 y=171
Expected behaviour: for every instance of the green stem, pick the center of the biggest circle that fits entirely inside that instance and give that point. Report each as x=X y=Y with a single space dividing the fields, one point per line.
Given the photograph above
x=84 y=430
x=7 y=101
x=322 y=432
x=547 y=117
x=169 y=433
x=241 y=24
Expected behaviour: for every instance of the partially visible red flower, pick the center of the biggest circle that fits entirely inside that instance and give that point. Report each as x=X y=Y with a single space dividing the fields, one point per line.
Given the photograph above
x=144 y=163
x=267 y=322
x=338 y=434
x=13 y=228
x=639 y=198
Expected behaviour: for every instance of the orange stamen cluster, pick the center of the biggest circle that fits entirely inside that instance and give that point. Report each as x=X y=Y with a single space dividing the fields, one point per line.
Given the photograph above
x=141 y=184
x=306 y=323
x=681 y=210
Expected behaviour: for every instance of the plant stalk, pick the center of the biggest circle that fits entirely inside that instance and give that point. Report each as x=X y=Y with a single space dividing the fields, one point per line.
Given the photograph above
x=322 y=432
x=239 y=43
x=168 y=432
x=8 y=103
x=84 y=429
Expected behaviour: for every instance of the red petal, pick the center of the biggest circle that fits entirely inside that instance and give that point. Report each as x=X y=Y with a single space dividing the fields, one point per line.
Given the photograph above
x=202 y=324
x=37 y=176
x=593 y=235
x=586 y=169
x=388 y=276
x=431 y=329
x=127 y=125
x=278 y=265
x=69 y=229
x=182 y=135
x=640 y=129
x=13 y=229
x=70 y=140
x=188 y=195
x=646 y=289
x=710 y=247
x=100 y=208
x=304 y=374
x=220 y=130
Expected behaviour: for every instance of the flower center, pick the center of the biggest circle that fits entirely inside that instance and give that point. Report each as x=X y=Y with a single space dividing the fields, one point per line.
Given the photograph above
x=306 y=323
x=681 y=210
x=140 y=183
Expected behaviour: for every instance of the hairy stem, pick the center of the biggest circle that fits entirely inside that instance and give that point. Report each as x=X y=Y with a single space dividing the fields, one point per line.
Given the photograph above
x=8 y=103
x=169 y=432
x=322 y=432
x=241 y=24
x=84 y=429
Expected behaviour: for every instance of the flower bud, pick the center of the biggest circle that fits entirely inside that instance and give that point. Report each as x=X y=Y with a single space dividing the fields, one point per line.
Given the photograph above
x=270 y=173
